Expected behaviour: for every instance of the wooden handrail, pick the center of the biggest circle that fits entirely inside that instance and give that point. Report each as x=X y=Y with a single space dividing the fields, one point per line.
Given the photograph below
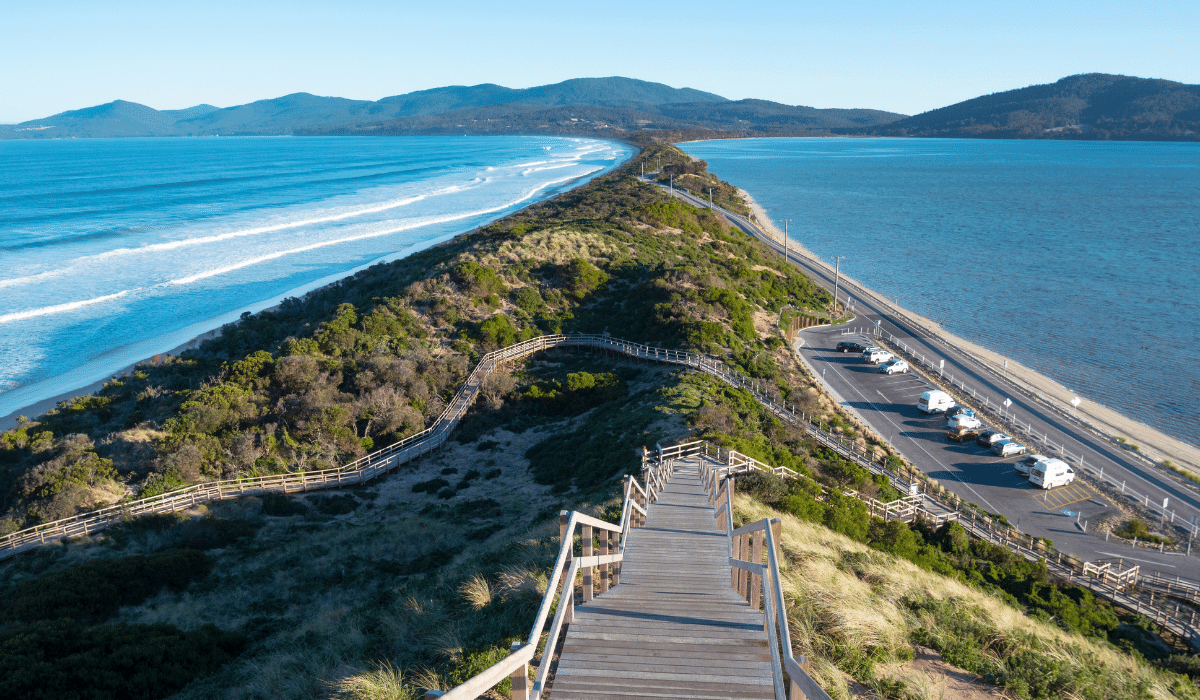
x=372 y=465
x=560 y=587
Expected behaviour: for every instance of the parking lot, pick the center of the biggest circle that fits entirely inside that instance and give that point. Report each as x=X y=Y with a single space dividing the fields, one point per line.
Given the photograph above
x=889 y=404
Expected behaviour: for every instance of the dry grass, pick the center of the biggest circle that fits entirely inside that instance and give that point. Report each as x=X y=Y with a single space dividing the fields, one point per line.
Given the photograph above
x=848 y=601
x=476 y=592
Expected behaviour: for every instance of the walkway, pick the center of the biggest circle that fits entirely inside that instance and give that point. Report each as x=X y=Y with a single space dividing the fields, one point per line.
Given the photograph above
x=673 y=627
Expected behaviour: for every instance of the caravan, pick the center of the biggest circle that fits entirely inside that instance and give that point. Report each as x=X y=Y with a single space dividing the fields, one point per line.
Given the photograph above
x=935 y=401
x=1050 y=473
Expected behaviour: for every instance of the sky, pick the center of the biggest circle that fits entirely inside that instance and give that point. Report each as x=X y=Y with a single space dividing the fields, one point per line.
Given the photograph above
x=895 y=56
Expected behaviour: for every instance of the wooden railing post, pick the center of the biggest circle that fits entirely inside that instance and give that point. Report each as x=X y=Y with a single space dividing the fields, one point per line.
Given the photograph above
x=586 y=538
x=519 y=678
x=756 y=579
x=605 y=537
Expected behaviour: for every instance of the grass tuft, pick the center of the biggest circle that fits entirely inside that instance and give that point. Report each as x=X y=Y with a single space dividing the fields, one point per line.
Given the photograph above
x=476 y=592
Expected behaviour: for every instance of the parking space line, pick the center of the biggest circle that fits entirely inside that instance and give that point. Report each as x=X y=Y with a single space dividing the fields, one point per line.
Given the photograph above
x=1064 y=496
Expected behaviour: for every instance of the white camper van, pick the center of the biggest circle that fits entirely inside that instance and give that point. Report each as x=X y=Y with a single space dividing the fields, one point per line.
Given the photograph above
x=935 y=401
x=1050 y=473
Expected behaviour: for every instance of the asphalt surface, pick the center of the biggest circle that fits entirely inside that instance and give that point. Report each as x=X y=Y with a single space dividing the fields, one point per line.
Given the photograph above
x=888 y=405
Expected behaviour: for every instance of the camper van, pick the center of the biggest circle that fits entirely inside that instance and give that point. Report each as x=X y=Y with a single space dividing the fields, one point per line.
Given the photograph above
x=1050 y=473
x=935 y=401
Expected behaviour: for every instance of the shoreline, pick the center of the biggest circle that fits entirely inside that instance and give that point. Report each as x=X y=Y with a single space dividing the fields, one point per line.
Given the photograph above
x=1154 y=445
x=211 y=327
x=38 y=408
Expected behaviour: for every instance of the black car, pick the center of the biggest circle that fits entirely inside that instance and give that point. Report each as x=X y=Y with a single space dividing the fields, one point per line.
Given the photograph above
x=988 y=437
x=851 y=346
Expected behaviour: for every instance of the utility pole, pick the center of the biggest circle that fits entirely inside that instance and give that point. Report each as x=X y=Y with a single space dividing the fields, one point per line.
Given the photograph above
x=643 y=168
x=658 y=160
x=785 y=237
x=837 y=275
x=710 y=198
x=672 y=183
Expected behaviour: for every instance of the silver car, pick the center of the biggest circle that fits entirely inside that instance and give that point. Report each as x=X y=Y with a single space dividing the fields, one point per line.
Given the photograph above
x=1008 y=448
x=893 y=366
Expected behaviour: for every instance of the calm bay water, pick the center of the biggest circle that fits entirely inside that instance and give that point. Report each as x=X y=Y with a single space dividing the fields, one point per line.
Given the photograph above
x=1078 y=259
x=117 y=249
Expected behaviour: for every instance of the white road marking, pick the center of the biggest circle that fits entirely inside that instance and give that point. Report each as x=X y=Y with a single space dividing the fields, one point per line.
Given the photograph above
x=1146 y=561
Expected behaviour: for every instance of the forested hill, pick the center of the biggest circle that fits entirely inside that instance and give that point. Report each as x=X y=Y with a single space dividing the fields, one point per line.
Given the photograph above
x=589 y=106
x=1092 y=106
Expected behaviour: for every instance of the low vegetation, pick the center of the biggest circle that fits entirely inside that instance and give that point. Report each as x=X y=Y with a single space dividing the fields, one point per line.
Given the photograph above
x=857 y=608
x=425 y=577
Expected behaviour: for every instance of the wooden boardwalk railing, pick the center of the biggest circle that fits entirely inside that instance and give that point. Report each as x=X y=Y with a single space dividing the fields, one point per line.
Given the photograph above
x=977 y=523
x=371 y=466
x=671 y=622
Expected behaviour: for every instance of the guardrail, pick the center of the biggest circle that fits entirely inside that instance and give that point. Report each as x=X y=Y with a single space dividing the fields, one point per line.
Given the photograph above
x=760 y=583
x=561 y=587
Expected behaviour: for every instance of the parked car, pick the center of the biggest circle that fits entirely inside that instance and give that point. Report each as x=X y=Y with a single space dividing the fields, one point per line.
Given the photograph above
x=1051 y=473
x=958 y=411
x=1029 y=462
x=852 y=346
x=964 y=421
x=877 y=355
x=1008 y=448
x=962 y=434
x=894 y=366
x=935 y=401
x=987 y=437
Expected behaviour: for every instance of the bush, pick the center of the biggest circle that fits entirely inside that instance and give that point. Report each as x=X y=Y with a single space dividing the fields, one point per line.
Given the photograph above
x=583 y=278
x=527 y=299
x=430 y=486
x=63 y=659
x=768 y=488
x=476 y=280
x=281 y=505
x=336 y=505
x=94 y=590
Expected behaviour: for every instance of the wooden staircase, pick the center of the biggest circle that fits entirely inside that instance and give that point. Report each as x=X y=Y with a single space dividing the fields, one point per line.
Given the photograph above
x=673 y=627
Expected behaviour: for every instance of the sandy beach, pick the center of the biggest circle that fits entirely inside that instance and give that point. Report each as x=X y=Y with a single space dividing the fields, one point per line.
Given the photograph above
x=1152 y=444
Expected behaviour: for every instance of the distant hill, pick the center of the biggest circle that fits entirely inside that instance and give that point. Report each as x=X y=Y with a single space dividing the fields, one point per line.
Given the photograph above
x=623 y=104
x=1092 y=106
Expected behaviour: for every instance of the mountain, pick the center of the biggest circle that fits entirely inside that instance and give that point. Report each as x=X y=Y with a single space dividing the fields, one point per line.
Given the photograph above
x=620 y=104
x=117 y=118
x=1091 y=106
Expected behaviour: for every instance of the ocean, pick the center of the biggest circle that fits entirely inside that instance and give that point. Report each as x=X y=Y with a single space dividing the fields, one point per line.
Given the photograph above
x=1078 y=259
x=114 y=250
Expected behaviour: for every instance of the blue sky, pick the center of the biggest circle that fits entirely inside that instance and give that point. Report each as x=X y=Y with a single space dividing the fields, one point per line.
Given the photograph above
x=886 y=55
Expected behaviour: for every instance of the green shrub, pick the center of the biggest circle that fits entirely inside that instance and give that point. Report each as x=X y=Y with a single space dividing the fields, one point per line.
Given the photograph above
x=281 y=505
x=497 y=331
x=583 y=278
x=477 y=280
x=528 y=299
x=63 y=659
x=763 y=486
x=335 y=505
x=95 y=590
x=430 y=486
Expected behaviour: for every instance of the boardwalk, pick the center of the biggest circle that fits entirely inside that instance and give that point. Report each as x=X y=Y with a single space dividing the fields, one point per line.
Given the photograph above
x=673 y=627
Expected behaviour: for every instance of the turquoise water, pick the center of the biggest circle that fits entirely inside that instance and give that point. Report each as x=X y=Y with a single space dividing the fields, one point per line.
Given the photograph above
x=113 y=250
x=1078 y=259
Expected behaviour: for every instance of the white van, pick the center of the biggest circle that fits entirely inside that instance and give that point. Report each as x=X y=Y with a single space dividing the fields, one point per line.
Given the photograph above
x=935 y=401
x=877 y=355
x=1050 y=473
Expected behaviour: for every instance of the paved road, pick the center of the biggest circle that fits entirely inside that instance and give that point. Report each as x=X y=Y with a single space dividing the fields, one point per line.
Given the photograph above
x=890 y=408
